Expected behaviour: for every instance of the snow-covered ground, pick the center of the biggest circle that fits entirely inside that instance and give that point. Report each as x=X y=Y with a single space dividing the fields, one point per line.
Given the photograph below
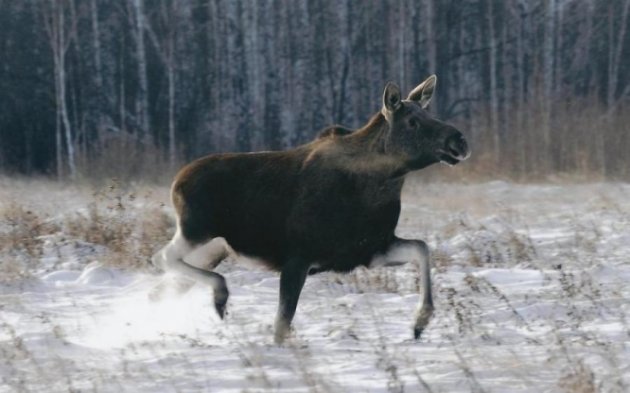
x=530 y=287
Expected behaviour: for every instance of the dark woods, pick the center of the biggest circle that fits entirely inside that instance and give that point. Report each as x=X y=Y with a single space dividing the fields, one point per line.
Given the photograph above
x=134 y=87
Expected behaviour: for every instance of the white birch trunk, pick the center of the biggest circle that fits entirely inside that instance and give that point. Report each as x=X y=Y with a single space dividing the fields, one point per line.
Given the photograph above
x=61 y=70
x=143 y=97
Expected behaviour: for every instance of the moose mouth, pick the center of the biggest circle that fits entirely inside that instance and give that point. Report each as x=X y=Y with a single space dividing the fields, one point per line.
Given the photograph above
x=450 y=157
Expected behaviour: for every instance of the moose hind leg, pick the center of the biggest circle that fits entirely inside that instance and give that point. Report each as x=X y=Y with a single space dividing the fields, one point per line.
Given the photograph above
x=171 y=259
x=400 y=252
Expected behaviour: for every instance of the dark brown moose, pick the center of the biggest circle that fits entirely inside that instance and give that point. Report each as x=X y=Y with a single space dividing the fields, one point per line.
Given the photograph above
x=331 y=204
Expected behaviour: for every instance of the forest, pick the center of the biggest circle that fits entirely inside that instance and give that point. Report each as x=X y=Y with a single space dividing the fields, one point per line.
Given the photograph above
x=133 y=88
x=102 y=101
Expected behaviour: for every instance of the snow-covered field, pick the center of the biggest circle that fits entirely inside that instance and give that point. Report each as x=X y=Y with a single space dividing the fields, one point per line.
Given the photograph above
x=530 y=286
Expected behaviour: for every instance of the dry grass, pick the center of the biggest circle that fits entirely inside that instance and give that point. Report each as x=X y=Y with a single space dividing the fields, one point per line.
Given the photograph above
x=126 y=221
x=22 y=236
x=24 y=230
x=131 y=227
x=579 y=379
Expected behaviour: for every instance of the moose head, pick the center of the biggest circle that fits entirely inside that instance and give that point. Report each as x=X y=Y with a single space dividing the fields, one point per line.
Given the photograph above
x=414 y=134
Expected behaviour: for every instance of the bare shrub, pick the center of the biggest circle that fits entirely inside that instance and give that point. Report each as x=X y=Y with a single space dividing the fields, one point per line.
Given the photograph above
x=22 y=237
x=23 y=230
x=504 y=247
x=155 y=228
x=131 y=229
x=362 y=280
x=464 y=308
x=580 y=379
x=13 y=268
x=441 y=259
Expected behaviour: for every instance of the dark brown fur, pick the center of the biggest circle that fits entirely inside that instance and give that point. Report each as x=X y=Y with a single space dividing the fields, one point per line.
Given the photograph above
x=333 y=201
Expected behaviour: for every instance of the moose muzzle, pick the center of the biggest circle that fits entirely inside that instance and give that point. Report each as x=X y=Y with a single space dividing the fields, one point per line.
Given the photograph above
x=455 y=149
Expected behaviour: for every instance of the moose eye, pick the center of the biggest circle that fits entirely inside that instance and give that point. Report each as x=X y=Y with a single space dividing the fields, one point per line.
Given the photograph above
x=413 y=123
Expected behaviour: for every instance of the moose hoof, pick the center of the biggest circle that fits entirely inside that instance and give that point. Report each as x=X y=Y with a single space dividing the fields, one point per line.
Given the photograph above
x=282 y=330
x=220 y=307
x=280 y=337
x=220 y=301
x=417 y=332
x=422 y=321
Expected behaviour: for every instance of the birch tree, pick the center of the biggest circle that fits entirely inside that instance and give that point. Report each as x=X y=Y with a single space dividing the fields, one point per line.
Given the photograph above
x=60 y=36
x=142 y=104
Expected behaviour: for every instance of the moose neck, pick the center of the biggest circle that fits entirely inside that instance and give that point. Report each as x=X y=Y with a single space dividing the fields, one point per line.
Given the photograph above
x=372 y=136
x=369 y=153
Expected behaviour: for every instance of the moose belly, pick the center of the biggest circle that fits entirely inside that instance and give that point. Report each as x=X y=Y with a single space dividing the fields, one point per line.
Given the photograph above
x=346 y=237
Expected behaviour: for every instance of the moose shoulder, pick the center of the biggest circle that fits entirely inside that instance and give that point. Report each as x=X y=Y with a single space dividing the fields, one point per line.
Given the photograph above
x=332 y=204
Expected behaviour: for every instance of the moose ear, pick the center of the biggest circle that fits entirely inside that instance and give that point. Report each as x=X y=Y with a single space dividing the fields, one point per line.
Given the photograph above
x=391 y=97
x=423 y=92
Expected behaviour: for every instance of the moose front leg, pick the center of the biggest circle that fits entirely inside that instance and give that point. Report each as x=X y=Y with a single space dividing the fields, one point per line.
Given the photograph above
x=292 y=280
x=402 y=251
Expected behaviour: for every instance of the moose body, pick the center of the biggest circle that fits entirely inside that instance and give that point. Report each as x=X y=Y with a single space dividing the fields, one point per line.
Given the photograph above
x=273 y=205
x=332 y=204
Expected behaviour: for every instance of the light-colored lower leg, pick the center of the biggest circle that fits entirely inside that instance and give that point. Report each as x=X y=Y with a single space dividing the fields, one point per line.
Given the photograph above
x=398 y=254
x=415 y=251
x=425 y=308
x=177 y=248
x=174 y=258
x=209 y=255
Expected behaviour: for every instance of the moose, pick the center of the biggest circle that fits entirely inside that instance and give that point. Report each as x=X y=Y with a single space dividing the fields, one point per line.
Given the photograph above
x=329 y=205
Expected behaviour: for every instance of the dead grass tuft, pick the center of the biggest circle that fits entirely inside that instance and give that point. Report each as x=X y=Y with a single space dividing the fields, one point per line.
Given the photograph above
x=23 y=230
x=129 y=226
x=364 y=280
x=22 y=238
x=580 y=379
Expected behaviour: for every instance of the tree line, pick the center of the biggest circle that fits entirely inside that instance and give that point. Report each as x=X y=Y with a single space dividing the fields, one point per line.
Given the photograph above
x=95 y=87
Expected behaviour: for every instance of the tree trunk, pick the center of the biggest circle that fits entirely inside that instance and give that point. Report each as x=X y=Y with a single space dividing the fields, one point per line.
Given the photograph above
x=96 y=47
x=59 y=46
x=431 y=37
x=402 y=28
x=615 y=51
x=520 y=93
x=62 y=101
x=494 y=98
x=142 y=108
x=98 y=72
x=548 y=81
x=431 y=43
x=172 y=148
x=58 y=141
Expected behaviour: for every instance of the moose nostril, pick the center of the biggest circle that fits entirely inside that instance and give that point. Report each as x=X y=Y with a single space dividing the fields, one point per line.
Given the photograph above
x=457 y=146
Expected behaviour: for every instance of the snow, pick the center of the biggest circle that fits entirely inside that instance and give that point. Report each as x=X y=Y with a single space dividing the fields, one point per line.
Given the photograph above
x=530 y=284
